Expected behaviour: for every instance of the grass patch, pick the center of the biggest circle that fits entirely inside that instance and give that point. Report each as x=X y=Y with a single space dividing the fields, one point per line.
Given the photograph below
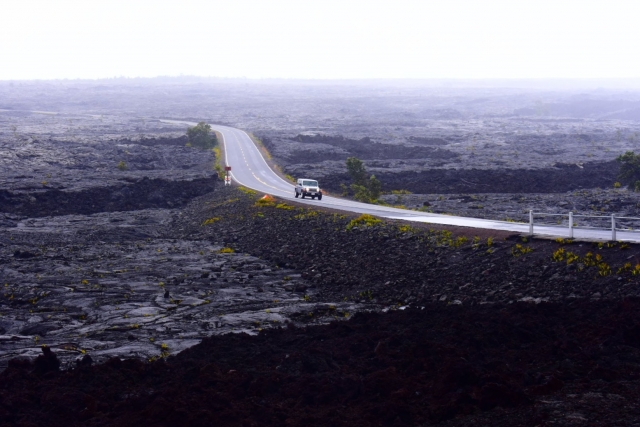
x=217 y=165
x=306 y=214
x=364 y=220
x=265 y=201
x=247 y=191
x=211 y=220
x=284 y=206
x=405 y=228
x=519 y=250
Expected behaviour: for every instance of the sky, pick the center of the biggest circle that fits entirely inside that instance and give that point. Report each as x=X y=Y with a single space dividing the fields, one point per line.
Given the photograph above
x=327 y=39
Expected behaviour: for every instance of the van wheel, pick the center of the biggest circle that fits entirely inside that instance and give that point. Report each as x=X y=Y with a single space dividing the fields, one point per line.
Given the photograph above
x=320 y=197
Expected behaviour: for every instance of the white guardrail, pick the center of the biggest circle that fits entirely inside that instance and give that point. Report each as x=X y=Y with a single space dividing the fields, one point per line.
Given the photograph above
x=615 y=222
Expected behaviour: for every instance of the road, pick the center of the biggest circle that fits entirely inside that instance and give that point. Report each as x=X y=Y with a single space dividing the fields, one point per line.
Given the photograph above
x=251 y=170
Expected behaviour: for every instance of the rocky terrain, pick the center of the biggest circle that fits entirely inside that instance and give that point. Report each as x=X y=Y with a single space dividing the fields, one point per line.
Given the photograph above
x=391 y=263
x=520 y=365
x=463 y=328
x=123 y=285
x=135 y=287
x=446 y=166
x=398 y=128
x=591 y=207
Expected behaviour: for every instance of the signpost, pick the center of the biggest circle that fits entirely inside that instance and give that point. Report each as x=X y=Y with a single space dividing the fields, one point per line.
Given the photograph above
x=227 y=178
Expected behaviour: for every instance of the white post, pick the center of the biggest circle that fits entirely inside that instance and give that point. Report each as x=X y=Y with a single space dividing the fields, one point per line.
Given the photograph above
x=613 y=227
x=530 y=223
x=571 y=225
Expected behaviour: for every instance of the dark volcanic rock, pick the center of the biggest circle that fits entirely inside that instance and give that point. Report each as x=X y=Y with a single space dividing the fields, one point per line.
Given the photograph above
x=561 y=178
x=139 y=194
x=390 y=263
x=86 y=175
x=520 y=364
x=366 y=149
x=46 y=362
x=491 y=328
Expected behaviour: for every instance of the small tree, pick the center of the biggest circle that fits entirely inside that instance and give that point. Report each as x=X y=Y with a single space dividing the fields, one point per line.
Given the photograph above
x=361 y=193
x=365 y=190
x=375 y=187
x=356 y=171
x=367 y=193
x=200 y=136
x=630 y=169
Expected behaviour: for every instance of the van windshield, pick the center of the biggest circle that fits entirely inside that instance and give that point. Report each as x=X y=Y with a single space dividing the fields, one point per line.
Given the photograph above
x=310 y=183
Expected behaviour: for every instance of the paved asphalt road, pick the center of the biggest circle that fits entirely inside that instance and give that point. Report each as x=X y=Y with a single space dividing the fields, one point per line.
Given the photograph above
x=251 y=170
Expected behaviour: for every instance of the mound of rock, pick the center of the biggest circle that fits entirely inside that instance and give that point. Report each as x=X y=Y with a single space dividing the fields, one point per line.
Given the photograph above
x=393 y=262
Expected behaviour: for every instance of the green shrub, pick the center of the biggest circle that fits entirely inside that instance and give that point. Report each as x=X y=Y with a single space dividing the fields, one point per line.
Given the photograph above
x=405 y=228
x=211 y=221
x=364 y=220
x=217 y=163
x=200 y=136
x=284 y=206
x=629 y=170
x=367 y=191
x=306 y=214
x=604 y=269
x=247 y=191
x=265 y=202
x=558 y=255
x=519 y=250
x=460 y=240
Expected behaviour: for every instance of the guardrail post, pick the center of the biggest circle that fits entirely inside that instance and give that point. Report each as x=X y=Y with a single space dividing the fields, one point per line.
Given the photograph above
x=530 y=223
x=613 y=227
x=571 y=225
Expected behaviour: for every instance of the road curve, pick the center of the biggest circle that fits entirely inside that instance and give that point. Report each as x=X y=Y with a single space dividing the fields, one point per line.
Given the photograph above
x=250 y=169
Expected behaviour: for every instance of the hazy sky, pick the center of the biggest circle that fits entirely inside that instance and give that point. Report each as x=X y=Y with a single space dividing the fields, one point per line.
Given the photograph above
x=53 y=39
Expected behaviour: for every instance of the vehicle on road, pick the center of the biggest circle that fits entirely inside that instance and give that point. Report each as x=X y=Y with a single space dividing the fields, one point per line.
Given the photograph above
x=308 y=187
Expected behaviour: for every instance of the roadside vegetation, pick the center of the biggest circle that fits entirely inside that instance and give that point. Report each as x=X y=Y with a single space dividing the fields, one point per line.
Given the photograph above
x=364 y=189
x=629 y=170
x=201 y=136
x=491 y=266
x=217 y=164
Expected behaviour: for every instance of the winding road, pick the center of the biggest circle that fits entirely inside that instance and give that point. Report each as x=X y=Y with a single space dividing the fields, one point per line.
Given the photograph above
x=250 y=169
